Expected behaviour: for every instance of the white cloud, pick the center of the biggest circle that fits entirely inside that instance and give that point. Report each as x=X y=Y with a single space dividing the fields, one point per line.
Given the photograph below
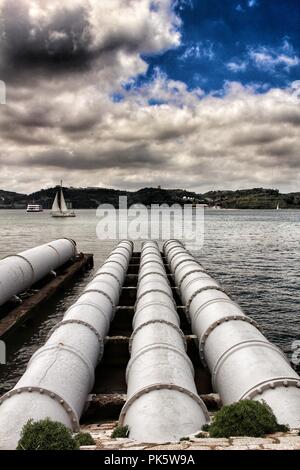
x=63 y=123
x=269 y=58
x=200 y=50
x=236 y=66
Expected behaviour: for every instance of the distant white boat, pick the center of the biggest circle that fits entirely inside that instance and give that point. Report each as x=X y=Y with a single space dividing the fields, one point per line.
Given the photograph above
x=34 y=208
x=277 y=208
x=59 y=207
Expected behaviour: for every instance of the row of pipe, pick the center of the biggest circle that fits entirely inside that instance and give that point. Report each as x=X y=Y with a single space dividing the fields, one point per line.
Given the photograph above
x=20 y=271
x=242 y=362
x=60 y=375
x=162 y=401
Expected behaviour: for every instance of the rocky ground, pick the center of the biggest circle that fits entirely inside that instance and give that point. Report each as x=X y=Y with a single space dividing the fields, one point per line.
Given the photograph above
x=279 y=441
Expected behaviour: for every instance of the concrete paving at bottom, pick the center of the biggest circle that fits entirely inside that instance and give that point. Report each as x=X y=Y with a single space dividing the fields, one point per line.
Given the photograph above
x=102 y=435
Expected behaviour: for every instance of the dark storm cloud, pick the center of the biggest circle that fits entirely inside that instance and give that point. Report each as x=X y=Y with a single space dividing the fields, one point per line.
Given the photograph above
x=63 y=44
x=132 y=158
x=255 y=137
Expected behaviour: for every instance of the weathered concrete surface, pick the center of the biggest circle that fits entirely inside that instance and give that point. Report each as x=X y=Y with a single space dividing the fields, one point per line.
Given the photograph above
x=279 y=441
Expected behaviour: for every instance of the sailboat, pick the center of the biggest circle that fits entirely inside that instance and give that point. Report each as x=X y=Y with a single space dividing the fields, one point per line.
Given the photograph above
x=277 y=208
x=59 y=207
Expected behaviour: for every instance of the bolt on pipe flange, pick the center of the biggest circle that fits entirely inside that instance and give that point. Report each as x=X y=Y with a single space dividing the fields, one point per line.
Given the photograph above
x=199 y=291
x=43 y=391
x=99 y=291
x=198 y=270
x=70 y=349
x=161 y=386
x=159 y=346
x=151 y=304
x=151 y=322
x=154 y=290
x=83 y=323
x=89 y=304
x=270 y=384
x=171 y=241
x=217 y=323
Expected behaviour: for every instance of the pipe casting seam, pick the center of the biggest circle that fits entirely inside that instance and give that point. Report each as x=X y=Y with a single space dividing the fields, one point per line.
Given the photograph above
x=154 y=346
x=43 y=391
x=239 y=346
x=217 y=323
x=151 y=322
x=154 y=290
x=180 y=253
x=151 y=274
x=161 y=386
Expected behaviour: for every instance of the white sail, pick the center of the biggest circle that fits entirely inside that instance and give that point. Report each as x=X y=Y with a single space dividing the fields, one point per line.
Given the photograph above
x=63 y=205
x=55 y=206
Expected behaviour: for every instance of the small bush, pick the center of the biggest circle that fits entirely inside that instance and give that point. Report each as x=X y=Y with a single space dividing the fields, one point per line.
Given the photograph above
x=84 y=439
x=184 y=439
x=245 y=418
x=201 y=435
x=120 y=431
x=46 y=435
x=205 y=427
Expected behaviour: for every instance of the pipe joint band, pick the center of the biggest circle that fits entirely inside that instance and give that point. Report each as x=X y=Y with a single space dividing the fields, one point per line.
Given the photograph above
x=270 y=385
x=154 y=290
x=243 y=344
x=161 y=386
x=43 y=391
x=219 y=322
x=83 y=323
x=185 y=260
x=90 y=304
x=199 y=291
x=28 y=262
x=193 y=271
x=99 y=291
x=108 y=274
x=151 y=322
x=69 y=349
x=152 y=347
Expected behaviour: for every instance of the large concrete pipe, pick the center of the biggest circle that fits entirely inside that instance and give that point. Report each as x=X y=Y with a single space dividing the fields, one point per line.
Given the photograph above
x=20 y=272
x=243 y=363
x=162 y=401
x=60 y=375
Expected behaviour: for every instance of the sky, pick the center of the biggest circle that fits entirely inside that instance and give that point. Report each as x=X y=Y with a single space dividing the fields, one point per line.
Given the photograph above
x=193 y=94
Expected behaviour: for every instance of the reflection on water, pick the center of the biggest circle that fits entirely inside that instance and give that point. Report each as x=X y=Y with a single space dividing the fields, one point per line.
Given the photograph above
x=254 y=254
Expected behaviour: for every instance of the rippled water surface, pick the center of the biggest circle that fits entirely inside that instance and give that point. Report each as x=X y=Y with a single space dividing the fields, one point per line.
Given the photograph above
x=254 y=255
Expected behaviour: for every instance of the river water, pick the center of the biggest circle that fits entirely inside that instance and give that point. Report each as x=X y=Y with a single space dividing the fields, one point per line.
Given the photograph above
x=254 y=254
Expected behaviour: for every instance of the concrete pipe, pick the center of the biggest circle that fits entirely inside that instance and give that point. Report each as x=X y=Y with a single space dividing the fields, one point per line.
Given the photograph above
x=60 y=375
x=243 y=363
x=20 y=272
x=162 y=401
